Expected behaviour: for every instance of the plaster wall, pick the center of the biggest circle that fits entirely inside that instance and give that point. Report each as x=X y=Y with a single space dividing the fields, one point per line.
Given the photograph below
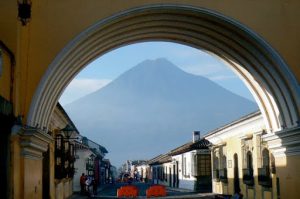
x=55 y=23
x=186 y=181
x=232 y=142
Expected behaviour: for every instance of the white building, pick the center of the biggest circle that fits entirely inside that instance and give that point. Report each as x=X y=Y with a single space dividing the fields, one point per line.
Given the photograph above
x=82 y=154
x=187 y=167
x=142 y=171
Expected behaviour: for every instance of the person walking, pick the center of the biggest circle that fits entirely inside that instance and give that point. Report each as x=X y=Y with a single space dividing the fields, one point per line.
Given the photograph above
x=82 y=183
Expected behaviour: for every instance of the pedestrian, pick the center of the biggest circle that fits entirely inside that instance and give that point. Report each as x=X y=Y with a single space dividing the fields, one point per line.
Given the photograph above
x=82 y=183
x=88 y=183
x=94 y=183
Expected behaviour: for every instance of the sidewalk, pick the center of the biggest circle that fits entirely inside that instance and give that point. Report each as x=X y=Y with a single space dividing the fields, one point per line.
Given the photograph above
x=77 y=195
x=179 y=190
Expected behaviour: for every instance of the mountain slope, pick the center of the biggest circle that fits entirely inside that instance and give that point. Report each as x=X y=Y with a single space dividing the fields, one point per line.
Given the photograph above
x=153 y=108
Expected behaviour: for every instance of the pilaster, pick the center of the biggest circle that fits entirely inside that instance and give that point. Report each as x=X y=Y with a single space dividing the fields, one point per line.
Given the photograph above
x=33 y=142
x=285 y=142
x=285 y=146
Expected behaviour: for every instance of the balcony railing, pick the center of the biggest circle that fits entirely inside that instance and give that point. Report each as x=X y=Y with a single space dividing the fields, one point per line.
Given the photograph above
x=89 y=167
x=216 y=175
x=60 y=172
x=264 y=177
x=248 y=178
x=223 y=175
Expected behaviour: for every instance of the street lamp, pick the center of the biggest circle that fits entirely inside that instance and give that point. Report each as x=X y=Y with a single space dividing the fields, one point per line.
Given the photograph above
x=68 y=131
x=65 y=153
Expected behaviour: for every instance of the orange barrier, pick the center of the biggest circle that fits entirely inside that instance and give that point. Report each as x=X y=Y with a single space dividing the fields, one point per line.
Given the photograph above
x=156 y=191
x=127 y=191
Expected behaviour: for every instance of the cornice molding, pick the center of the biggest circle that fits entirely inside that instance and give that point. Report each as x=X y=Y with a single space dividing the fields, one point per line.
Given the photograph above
x=285 y=142
x=34 y=142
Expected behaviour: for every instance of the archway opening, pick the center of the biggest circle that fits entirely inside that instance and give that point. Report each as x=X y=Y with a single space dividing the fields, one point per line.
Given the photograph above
x=262 y=69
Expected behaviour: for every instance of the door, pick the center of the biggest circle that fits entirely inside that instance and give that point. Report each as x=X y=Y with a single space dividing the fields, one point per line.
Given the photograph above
x=236 y=174
x=46 y=175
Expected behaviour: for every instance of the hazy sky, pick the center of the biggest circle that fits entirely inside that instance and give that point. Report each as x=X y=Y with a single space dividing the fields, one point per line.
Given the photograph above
x=109 y=66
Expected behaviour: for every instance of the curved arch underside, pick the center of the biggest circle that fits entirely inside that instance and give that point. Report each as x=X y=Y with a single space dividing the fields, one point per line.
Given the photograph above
x=266 y=75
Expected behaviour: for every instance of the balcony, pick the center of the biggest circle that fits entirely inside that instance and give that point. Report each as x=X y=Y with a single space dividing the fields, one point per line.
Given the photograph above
x=216 y=175
x=264 y=177
x=60 y=172
x=248 y=178
x=223 y=175
x=89 y=167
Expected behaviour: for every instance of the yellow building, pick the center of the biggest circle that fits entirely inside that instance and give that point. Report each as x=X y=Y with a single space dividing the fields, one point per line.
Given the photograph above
x=59 y=182
x=44 y=44
x=241 y=159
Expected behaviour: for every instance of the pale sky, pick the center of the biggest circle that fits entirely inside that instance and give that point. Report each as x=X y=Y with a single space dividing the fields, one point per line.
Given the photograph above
x=109 y=66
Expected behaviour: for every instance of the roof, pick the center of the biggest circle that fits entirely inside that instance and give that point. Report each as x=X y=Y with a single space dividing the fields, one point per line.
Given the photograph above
x=246 y=117
x=201 y=144
x=101 y=148
x=59 y=106
x=163 y=158
x=138 y=162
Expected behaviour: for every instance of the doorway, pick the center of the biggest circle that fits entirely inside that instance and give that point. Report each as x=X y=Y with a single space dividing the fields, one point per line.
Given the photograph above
x=236 y=179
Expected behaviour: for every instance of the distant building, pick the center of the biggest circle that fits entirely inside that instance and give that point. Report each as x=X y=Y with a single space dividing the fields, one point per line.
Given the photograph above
x=95 y=163
x=113 y=173
x=83 y=153
x=187 y=167
x=161 y=170
x=142 y=171
x=89 y=161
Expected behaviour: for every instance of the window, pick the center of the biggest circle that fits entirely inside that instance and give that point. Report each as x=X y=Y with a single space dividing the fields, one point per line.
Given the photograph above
x=224 y=162
x=223 y=171
x=184 y=166
x=59 y=157
x=264 y=176
x=249 y=160
x=265 y=158
x=216 y=163
x=166 y=173
x=204 y=162
x=248 y=171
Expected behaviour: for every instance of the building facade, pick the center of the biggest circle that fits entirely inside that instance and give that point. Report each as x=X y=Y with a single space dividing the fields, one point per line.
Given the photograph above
x=186 y=167
x=242 y=160
x=61 y=156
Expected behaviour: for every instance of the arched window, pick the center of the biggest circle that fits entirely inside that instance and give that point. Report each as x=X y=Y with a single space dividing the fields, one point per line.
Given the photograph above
x=264 y=175
x=223 y=171
x=216 y=163
x=224 y=161
x=249 y=160
x=216 y=175
x=265 y=158
x=248 y=171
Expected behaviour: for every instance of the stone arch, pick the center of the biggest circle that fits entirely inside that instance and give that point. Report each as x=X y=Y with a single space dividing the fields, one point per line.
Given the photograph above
x=265 y=73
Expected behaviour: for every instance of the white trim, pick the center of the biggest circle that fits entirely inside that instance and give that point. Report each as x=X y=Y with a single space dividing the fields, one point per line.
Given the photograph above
x=240 y=130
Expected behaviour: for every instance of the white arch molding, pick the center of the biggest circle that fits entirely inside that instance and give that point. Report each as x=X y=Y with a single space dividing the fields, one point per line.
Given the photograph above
x=265 y=73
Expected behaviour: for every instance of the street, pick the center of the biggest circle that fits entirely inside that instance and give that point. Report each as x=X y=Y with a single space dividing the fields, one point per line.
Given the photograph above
x=110 y=191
